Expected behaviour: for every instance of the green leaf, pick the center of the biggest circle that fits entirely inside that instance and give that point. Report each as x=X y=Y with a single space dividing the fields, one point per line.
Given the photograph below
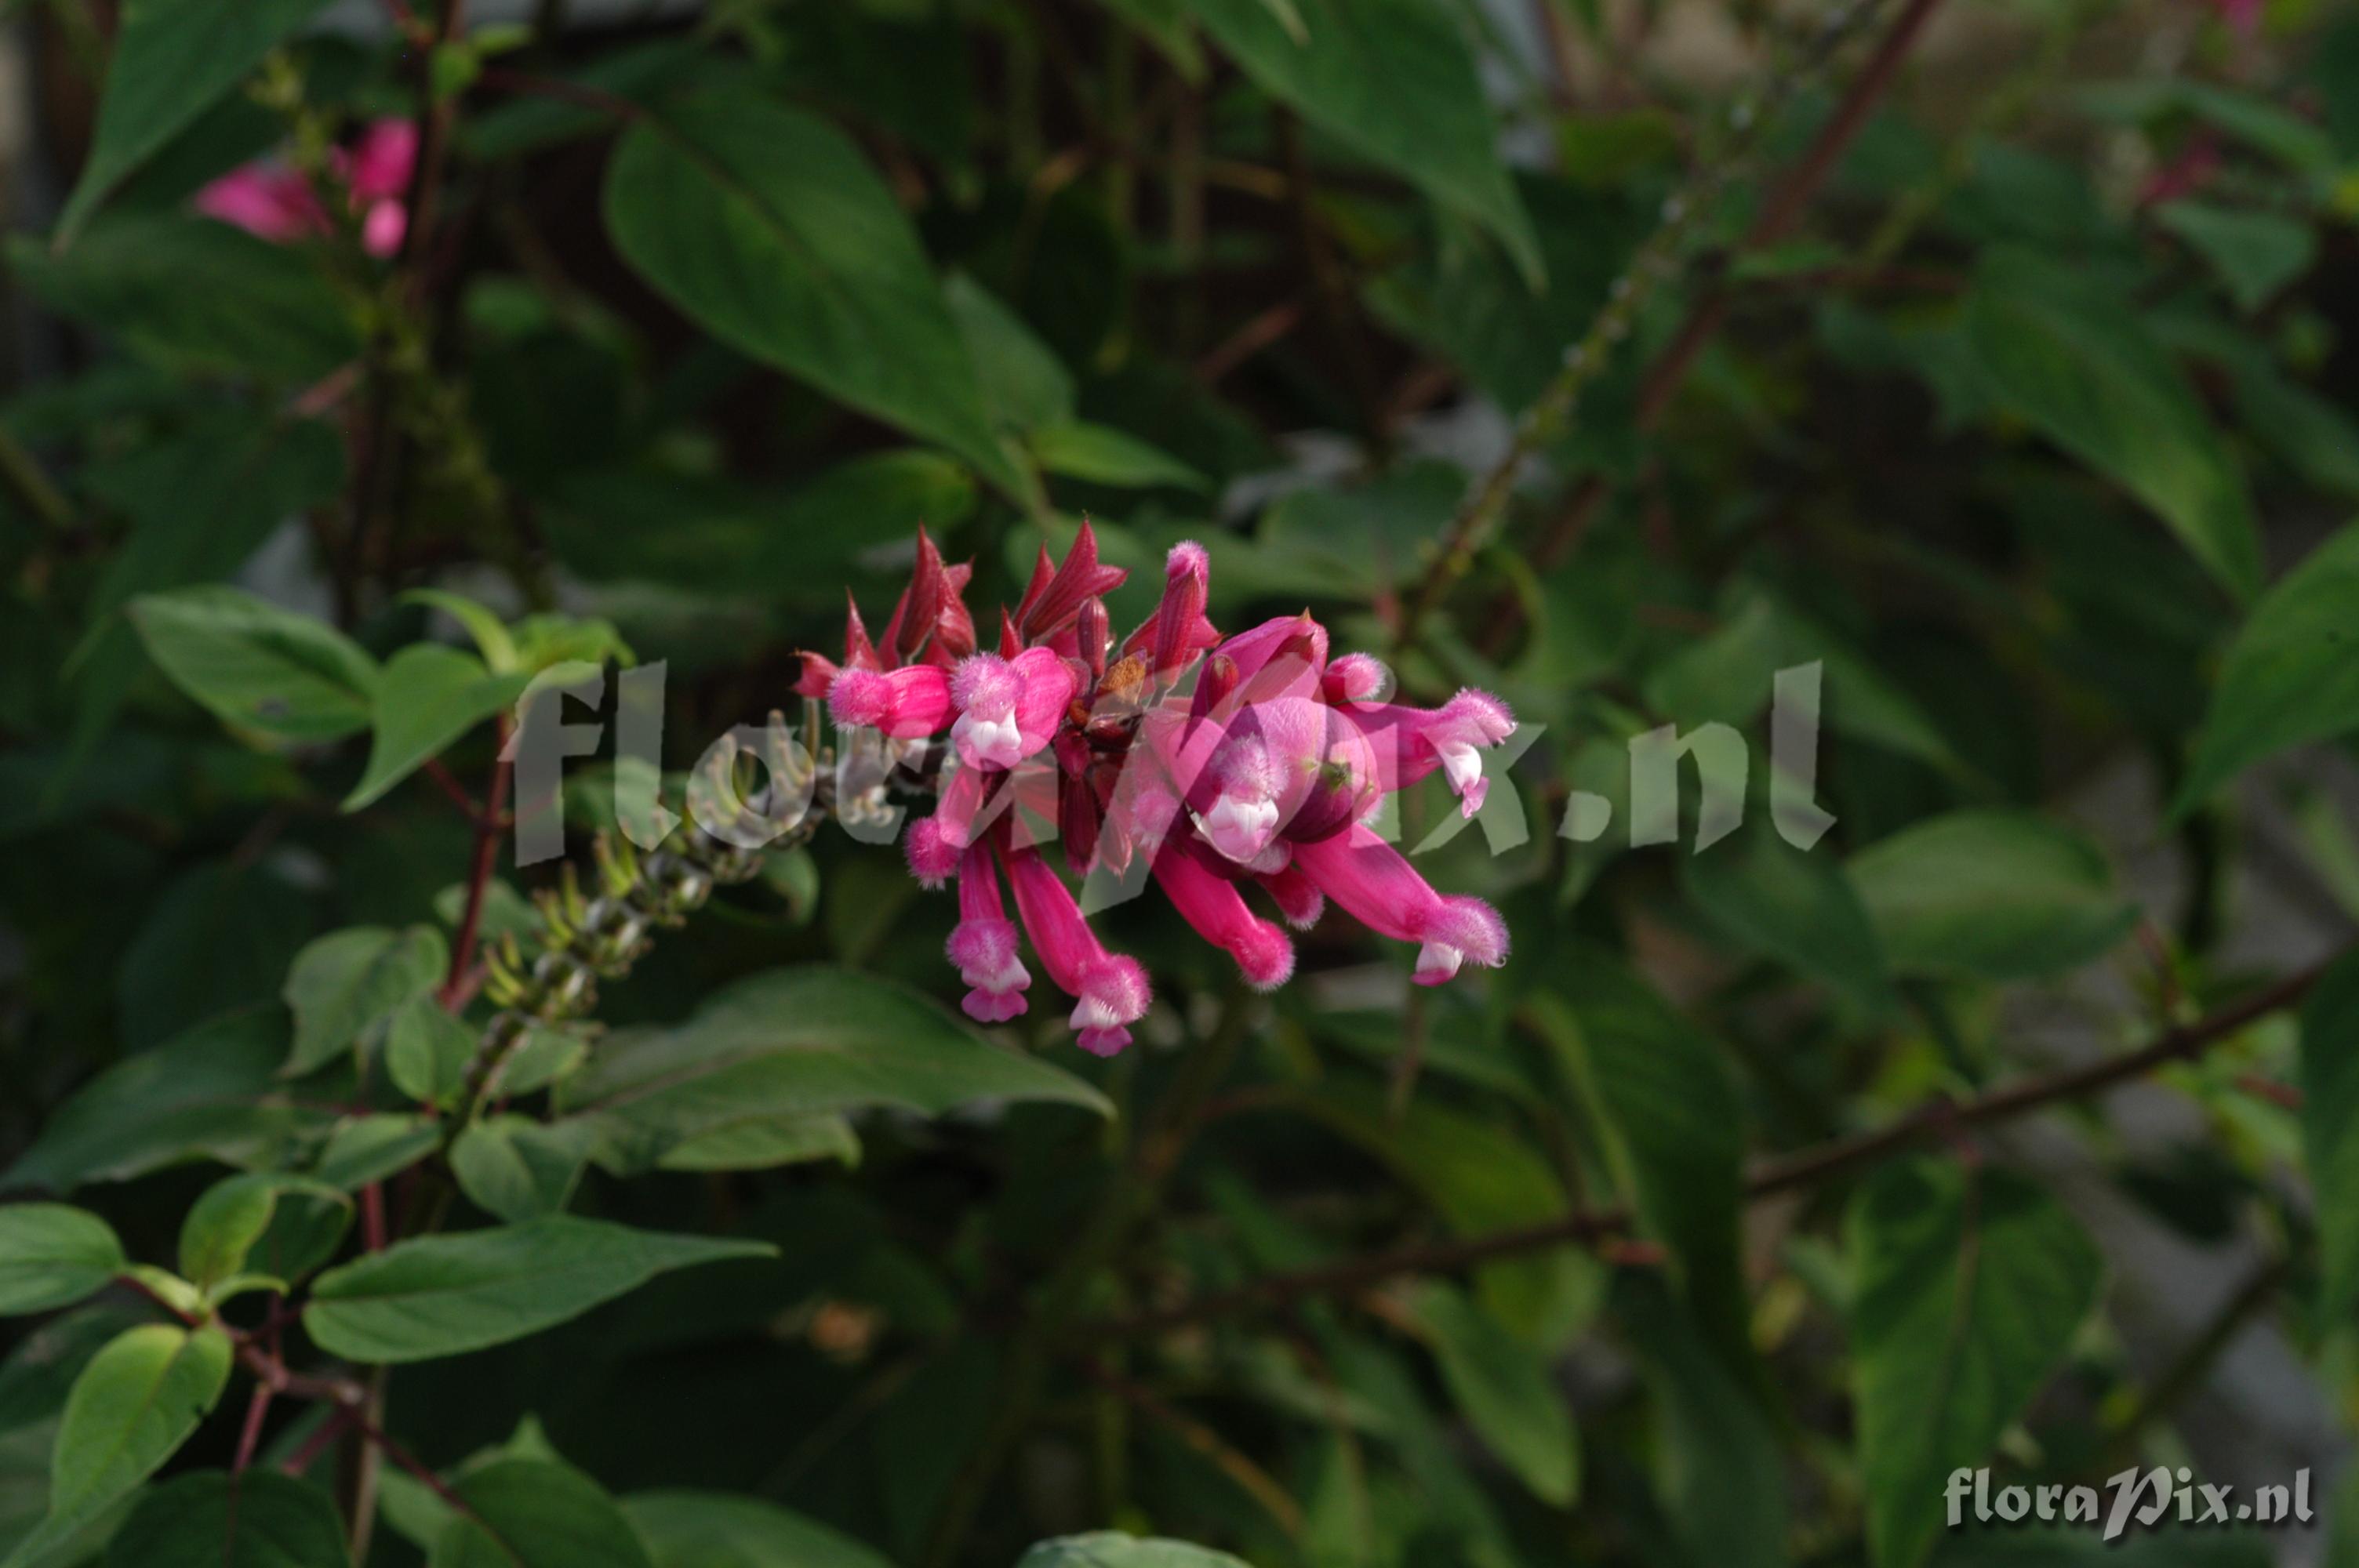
x=1025 y=385
x=535 y=1513
x=345 y=987
x=257 y=666
x=768 y=228
x=2330 y=1132
x=230 y=1220
x=371 y=1148
x=1795 y=906
x=2063 y=352
x=764 y=1143
x=132 y=1406
x=428 y=1051
x=257 y=1518
x=443 y=1295
x=212 y=1094
x=428 y=697
x=2255 y=253
x=1662 y=1093
x=2290 y=676
x=488 y=631
x=716 y=1529
x=1110 y=1549
x=269 y=313
x=172 y=60
x=52 y=1255
x=1102 y=455
x=1972 y=1283
x=1394 y=80
x=1506 y=1389
x=1999 y=894
x=798 y=1044
x=518 y=1169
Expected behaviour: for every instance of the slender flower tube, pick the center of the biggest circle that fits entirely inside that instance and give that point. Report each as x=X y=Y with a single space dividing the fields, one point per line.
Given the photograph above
x=1377 y=887
x=1298 y=901
x=1218 y=912
x=983 y=944
x=1109 y=991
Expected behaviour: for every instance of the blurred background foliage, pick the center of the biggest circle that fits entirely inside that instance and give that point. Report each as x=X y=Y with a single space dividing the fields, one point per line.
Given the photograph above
x=1610 y=354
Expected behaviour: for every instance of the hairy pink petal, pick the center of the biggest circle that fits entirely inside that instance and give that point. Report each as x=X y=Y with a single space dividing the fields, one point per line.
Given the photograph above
x=933 y=858
x=381 y=164
x=904 y=703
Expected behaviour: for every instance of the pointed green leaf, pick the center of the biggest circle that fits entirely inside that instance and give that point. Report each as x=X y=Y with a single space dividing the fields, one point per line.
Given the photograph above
x=173 y=58
x=1972 y=1283
x=1395 y=81
x=768 y=228
x=255 y=665
x=443 y=1295
x=519 y=1169
x=535 y=1513
x=132 y=1406
x=257 y=1518
x=2291 y=675
x=52 y=1255
x=2002 y=894
x=1508 y=1390
x=346 y=986
x=1109 y=1548
x=225 y=1224
x=797 y=1043
x=427 y=698
x=2064 y=353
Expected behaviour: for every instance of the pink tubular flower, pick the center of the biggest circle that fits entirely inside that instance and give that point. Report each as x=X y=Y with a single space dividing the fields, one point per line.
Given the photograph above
x=1218 y=912
x=1411 y=742
x=1219 y=767
x=277 y=203
x=1109 y=991
x=1382 y=891
x=904 y=703
x=1008 y=709
x=984 y=945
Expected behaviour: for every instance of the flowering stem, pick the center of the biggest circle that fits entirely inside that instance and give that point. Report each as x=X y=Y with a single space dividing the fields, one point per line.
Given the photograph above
x=1656 y=261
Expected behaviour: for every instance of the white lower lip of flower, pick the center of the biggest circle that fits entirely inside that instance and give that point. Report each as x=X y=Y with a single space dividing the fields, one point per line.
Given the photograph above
x=1096 y=1012
x=1010 y=976
x=994 y=743
x=1437 y=961
x=1238 y=829
x=1463 y=764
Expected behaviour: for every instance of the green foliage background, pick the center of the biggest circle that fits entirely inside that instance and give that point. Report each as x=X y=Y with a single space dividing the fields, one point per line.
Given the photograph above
x=371 y=1199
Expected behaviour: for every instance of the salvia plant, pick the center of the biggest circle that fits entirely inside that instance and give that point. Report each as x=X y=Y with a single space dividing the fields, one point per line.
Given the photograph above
x=1158 y=784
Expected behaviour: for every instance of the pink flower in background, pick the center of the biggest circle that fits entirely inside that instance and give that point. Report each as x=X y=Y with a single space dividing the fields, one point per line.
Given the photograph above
x=276 y=202
x=1219 y=767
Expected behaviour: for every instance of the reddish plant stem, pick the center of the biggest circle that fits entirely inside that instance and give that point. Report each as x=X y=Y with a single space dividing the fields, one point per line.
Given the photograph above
x=1841 y=1156
x=323 y=1437
x=249 y=1436
x=456 y=988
